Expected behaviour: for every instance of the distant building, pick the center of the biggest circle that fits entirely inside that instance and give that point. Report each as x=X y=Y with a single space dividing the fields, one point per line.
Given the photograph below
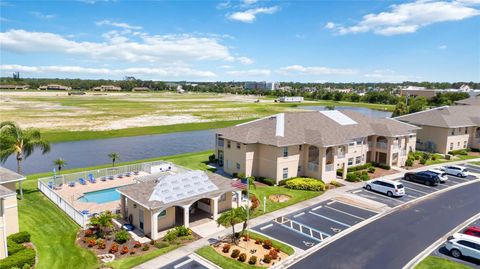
x=253 y=85
x=285 y=88
x=290 y=99
x=413 y=91
x=55 y=87
x=342 y=90
x=180 y=89
x=271 y=86
x=104 y=88
x=14 y=87
x=141 y=89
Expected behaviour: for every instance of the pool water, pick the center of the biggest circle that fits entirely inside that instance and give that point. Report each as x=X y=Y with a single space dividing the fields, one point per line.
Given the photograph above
x=101 y=196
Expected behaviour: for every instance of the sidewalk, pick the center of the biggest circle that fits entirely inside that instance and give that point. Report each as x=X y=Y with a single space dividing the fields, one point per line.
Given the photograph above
x=338 y=193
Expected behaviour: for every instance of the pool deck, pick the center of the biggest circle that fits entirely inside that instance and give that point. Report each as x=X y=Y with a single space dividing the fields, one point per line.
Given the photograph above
x=72 y=194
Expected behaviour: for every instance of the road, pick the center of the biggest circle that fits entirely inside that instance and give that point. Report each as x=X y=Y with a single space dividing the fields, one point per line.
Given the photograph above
x=392 y=241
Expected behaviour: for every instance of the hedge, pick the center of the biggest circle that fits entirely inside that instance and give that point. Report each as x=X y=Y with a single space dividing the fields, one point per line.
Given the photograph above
x=381 y=165
x=458 y=152
x=308 y=184
x=355 y=168
x=20 y=237
x=267 y=181
x=13 y=247
x=26 y=256
x=357 y=176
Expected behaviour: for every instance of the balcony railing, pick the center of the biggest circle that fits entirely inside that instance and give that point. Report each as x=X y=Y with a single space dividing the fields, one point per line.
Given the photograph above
x=341 y=155
x=329 y=167
x=381 y=145
x=312 y=167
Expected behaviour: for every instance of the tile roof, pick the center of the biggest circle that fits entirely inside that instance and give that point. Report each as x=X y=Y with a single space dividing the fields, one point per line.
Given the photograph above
x=7 y=175
x=446 y=117
x=473 y=100
x=4 y=192
x=315 y=128
x=142 y=192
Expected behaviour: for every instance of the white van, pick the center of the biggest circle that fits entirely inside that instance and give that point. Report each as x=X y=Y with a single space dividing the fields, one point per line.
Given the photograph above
x=385 y=186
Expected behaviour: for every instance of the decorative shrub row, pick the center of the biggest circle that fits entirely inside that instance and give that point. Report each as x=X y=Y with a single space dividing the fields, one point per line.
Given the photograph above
x=267 y=181
x=458 y=152
x=178 y=231
x=381 y=165
x=19 y=259
x=357 y=176
x=20 y=237
x=355 y=168
x=308 y=184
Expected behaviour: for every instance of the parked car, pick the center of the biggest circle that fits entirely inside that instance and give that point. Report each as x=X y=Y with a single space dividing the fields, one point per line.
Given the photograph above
x=462 y=245
x=455 y=170
x=388 y=187
x=441 y=174
x=424 y=177
x=473 y=231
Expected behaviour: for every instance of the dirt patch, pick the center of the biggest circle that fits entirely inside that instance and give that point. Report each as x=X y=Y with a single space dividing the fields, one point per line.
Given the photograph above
x=148 y=120
x=279 y=198
x=379 y=172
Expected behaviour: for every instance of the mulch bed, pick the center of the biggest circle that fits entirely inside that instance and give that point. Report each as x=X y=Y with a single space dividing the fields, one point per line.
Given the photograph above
x=379 y=172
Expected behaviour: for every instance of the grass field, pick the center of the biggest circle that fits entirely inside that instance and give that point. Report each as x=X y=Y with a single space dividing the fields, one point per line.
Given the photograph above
x=79 y=117
x=432 y=262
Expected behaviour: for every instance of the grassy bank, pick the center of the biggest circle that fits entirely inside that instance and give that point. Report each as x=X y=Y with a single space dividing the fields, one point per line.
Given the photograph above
x=54 y=233
x=432 y=262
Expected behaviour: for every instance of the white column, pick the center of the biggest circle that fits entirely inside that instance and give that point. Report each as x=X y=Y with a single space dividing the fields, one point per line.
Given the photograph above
x=239 y=198
x=186 y=216
x=21 y=189
x=215 y=207
x=154 y=225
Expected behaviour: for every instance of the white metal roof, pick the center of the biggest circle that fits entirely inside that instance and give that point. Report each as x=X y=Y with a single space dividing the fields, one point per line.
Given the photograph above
x=338 y=117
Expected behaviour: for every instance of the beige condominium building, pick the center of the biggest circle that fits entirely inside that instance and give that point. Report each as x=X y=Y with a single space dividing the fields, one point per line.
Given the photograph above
x=8 y=207
x=159 y=202
x=313 y=144
x=446 y=128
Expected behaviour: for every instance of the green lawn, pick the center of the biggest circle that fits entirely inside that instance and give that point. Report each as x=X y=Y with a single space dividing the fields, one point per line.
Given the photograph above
x=477 y=163
x=266 y=191
x=432 y=262
x=457 y=158
x=130 y=262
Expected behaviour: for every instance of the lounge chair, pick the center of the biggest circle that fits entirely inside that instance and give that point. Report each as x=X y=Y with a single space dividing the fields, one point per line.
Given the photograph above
x=103 y=179
x=120 y=176
x=91 y=178
x=59 y=187
x=50 y=185
x=128 y=174
x=136 y=173
x=85 y=212
x=111 y=177
x=71 y=184
x=82 y=181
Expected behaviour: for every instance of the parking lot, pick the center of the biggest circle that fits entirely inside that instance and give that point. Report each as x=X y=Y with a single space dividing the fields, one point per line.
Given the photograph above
x=414 y=190
x=310 y=226
x=442 y=252
x=185 y=263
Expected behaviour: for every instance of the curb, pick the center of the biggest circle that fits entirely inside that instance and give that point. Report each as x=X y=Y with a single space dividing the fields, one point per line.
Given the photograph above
x=194 y=256
x=332 y=239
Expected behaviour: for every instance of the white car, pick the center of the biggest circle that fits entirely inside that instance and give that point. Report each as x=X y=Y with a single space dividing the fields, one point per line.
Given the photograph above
x=388 y=187
x=441 y=174
x=456 y=170
x=463 y=245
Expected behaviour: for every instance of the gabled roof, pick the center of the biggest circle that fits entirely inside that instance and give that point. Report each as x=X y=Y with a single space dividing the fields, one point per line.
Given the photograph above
x=446 y=117
x=7 y=175
x=472 y=100
x=5 y=192
x=320 y=128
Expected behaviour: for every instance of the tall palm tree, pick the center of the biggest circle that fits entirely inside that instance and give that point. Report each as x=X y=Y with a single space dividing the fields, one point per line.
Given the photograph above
x=114 y=156
x=59 y=163
x=232 y=217
x=21 y=143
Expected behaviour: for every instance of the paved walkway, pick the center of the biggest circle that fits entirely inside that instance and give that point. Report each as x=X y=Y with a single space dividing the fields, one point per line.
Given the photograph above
x=338 y=193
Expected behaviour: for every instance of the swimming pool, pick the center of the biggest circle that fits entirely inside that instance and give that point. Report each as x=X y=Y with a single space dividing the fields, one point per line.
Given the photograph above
x=101 y=196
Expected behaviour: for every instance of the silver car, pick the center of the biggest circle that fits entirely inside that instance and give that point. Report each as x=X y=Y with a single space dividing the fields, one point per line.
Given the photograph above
x=441 y=174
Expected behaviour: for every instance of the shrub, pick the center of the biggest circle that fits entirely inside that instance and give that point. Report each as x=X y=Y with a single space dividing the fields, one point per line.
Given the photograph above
x=88 y=232
x=20 y=238
x=246 y=238
x=122 y=236
x=273 y=254
x=137 y=244
x=371 y=170
x=235 y=253
x=226 y=248
x=267 y=244
x=14 y=247
x=426 y=156
x=171 y=235
x=101 y=244
x=255 y=202
x=113 y=248
x=351 y=177
x=124 y=250
x=458 y=152
x=211 y=158
x=183 y=231
x=242 y=257
x=364 y=177
x=267 y=258
x=381 y=165
x=25 y=256
x=258 y=242
x=423 y=161
x=434 y=157
x=475 y=150
x=308 y=184
x=91 y=242
x=145 y=247
x=267 y=181
x=162 y=244
x=252 y=260
x=26 y=266
x=448 y=157
x=132 y=252
x=409 y=162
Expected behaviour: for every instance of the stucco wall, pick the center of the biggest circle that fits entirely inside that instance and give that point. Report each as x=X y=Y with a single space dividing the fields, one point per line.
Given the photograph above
x=3 y=251
x=168 y=220
x=11 y=214
x=436 y=135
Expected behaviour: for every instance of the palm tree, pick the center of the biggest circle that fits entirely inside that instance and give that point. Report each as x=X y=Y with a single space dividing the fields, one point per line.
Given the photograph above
x=103 y=221
x=232 y=217
x=21 y=143
x=60 y=163
x=114 y=156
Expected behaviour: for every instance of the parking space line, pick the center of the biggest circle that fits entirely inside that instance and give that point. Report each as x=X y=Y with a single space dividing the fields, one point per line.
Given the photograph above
x=355 y=216
x=266 y=226
x=298 y=215
x=385 y=196
x=416 y=190
x=418 y=184
x=329 y=203
x=357 y=191
x=318 y=207
x=292 y=222
x=327 y=218
x=461 y=178
x=189 y=260
x=357 y=206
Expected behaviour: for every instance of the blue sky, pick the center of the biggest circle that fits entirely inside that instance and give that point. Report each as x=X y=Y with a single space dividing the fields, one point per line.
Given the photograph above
x=315 y=41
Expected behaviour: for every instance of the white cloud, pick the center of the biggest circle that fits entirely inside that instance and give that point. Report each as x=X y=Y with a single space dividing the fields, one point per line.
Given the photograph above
x=442 y=47
x=95 y=1
x=145 y=47
x=149 y=73
x=118 y=24
x=250 y=15
x=409 y=17
x=245 y=60
x=4 y=19
x=250 y=73
x=315 y=70
x=43 y=16
x=249 y=2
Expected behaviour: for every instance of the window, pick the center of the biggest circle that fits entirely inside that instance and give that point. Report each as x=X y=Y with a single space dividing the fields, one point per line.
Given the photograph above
x=238 y=166
x=220 y=142
x=458 y=144
x=285 y=173
x=285 y=151
x=358 y=159
x=453 y=132
x=300 y=148
x=228 y=144
x=238 y=145
x=451 y=146
x=299 y=168
x=350 y=161
x=466 y=130
x=162 y=214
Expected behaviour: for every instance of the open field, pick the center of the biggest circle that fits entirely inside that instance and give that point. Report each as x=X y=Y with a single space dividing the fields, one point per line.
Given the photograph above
x=102 y=115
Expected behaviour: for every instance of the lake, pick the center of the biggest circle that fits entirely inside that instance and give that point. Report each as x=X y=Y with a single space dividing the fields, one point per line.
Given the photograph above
x=362 y=110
